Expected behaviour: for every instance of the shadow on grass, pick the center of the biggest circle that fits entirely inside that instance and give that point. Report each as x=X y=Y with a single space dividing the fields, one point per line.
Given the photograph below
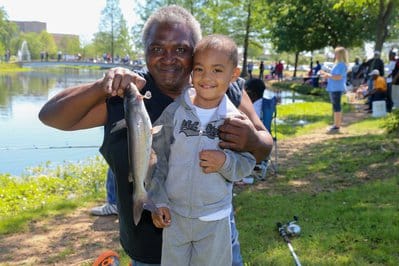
x=337 y=163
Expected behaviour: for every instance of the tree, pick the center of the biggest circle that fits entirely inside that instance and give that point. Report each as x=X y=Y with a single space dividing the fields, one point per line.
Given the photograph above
x=101 y=42
x=47 y=43
x=379 y=18
x=299 y=26
x=8 y=30
x=110 y=25
x=124 y=41
x=70 y=46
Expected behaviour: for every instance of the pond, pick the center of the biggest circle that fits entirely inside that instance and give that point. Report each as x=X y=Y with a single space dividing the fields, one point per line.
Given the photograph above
x=25 y=141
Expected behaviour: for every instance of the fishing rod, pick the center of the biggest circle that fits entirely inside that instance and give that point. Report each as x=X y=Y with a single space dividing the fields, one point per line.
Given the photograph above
x=49 y=147
x=290 y=229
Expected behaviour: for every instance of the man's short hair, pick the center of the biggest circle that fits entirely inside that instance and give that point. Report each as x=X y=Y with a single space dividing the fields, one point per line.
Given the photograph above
x=221 y=43
x=172 y=14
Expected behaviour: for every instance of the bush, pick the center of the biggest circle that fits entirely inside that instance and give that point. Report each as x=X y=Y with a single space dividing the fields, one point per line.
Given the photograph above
x=391 y=123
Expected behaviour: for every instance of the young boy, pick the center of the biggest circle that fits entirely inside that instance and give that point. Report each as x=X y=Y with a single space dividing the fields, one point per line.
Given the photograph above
x=193 y=180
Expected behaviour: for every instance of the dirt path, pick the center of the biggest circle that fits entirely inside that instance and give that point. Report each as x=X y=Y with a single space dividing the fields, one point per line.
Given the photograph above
x=77 y=238
x=74 y=239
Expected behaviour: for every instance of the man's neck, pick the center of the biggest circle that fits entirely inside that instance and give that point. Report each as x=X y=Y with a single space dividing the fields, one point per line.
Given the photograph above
x=172 y=92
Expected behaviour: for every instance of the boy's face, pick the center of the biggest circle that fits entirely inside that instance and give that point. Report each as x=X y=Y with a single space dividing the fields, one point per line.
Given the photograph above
x=212 y=73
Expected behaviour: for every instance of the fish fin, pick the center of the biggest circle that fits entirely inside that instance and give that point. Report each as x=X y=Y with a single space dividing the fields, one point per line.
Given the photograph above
x=138 y=204
x=156 y=129
x=118 y=125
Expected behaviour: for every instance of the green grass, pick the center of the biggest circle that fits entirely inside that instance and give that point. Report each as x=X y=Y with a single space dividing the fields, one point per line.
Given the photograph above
x=344 y=190
x=11 y=67
x=49 y=191
x=354 y=226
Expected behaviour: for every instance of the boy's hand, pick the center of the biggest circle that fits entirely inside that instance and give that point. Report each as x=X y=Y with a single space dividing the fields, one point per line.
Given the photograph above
x=211 y=160
x=161 y=218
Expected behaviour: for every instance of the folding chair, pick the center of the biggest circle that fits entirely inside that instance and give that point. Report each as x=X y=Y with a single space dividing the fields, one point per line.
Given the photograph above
x=269 y=114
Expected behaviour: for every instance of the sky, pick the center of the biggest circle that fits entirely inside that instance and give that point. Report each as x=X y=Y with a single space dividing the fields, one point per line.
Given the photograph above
x=80 y=17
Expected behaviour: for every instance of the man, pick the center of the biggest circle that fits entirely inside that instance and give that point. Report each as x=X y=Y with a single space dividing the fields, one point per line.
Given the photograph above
x=169 y=37
x=374 y=63
x=379 y=91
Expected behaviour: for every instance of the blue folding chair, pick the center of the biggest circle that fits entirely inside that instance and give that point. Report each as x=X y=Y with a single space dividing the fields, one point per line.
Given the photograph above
x=269 y=114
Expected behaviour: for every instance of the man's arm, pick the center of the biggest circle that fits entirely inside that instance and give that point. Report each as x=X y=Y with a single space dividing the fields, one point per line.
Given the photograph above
x=246 y=132
x=75 y=108
x=84 y=106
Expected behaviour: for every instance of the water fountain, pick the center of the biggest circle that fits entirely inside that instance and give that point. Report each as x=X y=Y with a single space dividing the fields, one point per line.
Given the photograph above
x=23 y=53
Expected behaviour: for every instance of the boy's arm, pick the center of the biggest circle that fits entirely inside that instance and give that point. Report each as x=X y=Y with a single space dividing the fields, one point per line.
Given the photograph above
x=237 y=165
x=233 y=166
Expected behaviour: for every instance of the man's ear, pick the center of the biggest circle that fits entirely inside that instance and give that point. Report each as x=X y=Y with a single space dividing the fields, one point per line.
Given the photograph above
x=236 y=74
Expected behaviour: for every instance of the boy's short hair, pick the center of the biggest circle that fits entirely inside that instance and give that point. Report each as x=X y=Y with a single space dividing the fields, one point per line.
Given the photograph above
x=221 y=43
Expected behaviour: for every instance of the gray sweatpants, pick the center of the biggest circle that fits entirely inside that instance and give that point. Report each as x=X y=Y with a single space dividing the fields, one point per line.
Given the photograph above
x=190 y=241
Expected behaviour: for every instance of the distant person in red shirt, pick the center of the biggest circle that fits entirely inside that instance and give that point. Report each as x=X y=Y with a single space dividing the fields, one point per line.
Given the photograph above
x=279 y=70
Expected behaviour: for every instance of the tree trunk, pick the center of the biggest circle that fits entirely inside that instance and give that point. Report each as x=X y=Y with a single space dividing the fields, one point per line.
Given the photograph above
x=296 y=64
x=383 y=20
x=244 y=72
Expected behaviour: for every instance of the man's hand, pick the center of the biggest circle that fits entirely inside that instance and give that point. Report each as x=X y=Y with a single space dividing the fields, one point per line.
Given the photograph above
x=238 y=133
x=161 y=218
x=116 y=80
x=211 y=160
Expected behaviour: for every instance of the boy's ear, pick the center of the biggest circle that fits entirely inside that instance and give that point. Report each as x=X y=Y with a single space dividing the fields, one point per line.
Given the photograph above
x=236 y=74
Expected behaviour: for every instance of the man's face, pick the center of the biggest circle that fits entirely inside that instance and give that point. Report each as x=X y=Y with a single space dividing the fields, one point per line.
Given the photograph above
x=169 y=56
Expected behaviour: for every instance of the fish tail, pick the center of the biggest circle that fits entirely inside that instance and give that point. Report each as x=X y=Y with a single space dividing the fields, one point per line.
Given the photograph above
x=138 y=204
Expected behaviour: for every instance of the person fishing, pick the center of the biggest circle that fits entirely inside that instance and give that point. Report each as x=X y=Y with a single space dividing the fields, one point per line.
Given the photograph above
x=169 y=37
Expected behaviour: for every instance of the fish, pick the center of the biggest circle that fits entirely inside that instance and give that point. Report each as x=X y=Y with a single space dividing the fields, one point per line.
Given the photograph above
x=142 y=159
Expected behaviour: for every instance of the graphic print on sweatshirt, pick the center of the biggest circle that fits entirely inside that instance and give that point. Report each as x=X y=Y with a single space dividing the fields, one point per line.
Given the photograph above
x=191 y=129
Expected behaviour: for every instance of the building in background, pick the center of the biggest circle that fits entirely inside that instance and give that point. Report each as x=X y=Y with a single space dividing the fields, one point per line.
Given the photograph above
x=37 y=27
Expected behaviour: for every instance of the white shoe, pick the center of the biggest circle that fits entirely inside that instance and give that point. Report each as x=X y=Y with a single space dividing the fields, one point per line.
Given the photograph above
x=333 y=130
x=105 y=210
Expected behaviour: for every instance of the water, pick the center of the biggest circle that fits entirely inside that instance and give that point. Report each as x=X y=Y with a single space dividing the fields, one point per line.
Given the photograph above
x=24 y=140
x=285 y=97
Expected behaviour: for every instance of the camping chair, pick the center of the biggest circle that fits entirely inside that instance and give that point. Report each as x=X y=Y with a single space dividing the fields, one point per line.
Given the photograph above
x=269 y=113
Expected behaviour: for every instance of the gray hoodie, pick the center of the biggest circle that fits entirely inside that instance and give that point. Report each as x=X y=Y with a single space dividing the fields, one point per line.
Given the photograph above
x=178 y=181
